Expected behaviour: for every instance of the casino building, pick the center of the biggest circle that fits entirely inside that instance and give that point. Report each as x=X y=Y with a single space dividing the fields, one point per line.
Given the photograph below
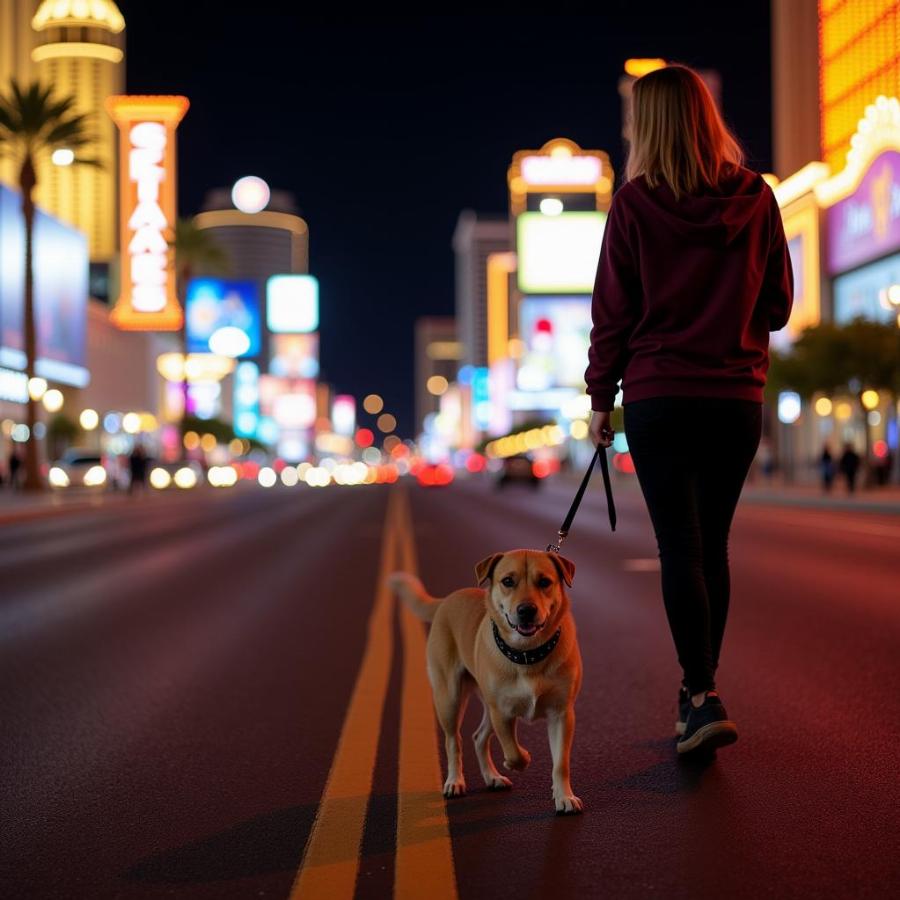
x=836 y=117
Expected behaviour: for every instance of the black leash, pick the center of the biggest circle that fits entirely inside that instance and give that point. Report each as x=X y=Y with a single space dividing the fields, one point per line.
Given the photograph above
x=610 y=505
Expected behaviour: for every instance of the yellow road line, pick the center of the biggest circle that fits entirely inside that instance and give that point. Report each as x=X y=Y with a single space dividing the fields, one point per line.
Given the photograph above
x=424 y=861
x=331 y=859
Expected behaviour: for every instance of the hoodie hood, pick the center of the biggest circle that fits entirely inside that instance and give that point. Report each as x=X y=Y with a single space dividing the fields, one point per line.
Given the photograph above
x=713 y=216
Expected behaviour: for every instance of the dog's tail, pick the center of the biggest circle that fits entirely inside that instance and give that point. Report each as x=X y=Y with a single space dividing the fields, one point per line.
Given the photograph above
x=412 y=592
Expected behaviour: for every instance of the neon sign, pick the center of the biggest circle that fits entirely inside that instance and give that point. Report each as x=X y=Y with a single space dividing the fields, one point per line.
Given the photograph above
x=147 y=301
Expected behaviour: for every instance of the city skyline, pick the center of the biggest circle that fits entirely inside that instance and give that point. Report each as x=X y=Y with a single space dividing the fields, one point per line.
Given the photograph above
x=382 y=188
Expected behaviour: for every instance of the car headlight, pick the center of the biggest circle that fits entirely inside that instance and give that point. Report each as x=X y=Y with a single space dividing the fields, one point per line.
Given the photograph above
x=160 y=479
x=185 y=477
x=58 y=478
x=95 y=476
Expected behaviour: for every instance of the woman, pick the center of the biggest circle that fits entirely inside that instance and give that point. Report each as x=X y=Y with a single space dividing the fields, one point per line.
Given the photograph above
x=694 y=273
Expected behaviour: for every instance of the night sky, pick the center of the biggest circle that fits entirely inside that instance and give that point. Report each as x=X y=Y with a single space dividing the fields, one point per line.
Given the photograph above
x=385 y=128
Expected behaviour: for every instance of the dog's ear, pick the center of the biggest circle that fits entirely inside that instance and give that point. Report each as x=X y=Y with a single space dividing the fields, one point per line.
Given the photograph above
x=565 y=567
x=485 y=568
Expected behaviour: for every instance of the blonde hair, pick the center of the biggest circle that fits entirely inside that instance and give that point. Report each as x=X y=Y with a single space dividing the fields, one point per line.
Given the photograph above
x=677 y=134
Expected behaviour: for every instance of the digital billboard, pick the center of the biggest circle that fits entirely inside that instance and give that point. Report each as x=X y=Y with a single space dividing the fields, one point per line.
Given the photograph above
x=558 y=254
x=60 y=293
x=294 y=355
x=289 y=402
x=213 y=304
x=556 y=332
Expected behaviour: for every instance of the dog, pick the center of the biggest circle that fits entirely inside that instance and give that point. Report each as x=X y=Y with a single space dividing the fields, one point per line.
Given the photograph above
x=515 y=644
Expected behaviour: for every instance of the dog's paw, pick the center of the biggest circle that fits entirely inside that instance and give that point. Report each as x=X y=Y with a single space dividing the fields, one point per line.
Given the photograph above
x=454 y=788
x=519 y=762
x=498 y=783
x=568 y=805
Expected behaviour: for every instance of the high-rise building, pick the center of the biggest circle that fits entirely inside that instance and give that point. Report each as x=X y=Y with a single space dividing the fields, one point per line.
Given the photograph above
x=476 y=237
x=262 y=236
x=438 y=355
x=16 y=43
x=79 y=49
x=795 y=85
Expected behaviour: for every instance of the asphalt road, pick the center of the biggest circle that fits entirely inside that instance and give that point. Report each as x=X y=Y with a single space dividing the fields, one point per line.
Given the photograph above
x=189 y=682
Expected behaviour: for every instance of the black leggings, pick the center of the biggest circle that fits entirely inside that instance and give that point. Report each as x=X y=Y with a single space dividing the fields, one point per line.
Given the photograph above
x=692 y=455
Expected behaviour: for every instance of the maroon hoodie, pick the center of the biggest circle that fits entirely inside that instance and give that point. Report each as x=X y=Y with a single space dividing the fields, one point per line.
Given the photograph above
x=687 y=292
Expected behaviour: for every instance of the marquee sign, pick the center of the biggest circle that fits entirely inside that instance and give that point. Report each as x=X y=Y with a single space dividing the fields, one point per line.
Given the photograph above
x=147 y=211
x=866 y=224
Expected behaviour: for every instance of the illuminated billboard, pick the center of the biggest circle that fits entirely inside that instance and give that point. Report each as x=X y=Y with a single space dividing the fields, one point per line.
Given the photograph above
x=289 y=402
x=217 y=310
x=60 y=293
x=556 y=332
x=294 y=355
x=147 y=197
x=558 y=254
x=292 y=303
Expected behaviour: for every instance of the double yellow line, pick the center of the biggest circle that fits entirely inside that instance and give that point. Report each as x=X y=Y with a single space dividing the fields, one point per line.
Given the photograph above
x=424 y=855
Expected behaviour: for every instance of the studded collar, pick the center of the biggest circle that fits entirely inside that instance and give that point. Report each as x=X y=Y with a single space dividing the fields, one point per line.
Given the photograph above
x=525 y=657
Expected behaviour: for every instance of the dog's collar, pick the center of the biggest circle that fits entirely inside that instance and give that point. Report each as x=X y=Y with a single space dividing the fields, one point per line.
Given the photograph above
x=525 y=657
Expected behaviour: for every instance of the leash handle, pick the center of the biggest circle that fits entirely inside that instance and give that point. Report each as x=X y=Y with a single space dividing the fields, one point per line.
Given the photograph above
x=563 y=533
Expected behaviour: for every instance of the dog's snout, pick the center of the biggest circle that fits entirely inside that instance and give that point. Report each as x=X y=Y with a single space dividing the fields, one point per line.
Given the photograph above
x=527 y=612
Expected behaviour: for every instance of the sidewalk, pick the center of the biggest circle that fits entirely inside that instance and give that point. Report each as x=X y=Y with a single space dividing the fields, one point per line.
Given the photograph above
x=18 y=506
x=885 y=500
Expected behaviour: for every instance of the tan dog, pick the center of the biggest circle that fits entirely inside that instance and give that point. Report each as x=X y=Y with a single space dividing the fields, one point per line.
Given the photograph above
x=515 y=643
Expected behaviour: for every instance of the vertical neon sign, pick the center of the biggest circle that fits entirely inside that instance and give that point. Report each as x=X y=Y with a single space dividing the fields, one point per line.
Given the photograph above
x=147 y=210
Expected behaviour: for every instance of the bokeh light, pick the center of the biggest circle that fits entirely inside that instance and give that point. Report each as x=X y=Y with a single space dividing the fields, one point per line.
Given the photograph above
x=824 y=406
x=185 y=478
x=437 y=385
x=89 y=419
x=160 y=479
x=373 y=404
x=52 y=400
x=386 y=423
x=37 y=387
x=579 y=429
x=870 y=399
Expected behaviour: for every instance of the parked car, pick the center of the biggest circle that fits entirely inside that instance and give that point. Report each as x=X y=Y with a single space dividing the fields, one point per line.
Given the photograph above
x=518 y=469
x=79 y=469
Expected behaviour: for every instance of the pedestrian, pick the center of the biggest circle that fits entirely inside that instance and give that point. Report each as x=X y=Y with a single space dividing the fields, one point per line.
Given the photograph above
x=14 y=466
x=849 y=466
x=826 y=469
x=694 y=273
x=137 y=465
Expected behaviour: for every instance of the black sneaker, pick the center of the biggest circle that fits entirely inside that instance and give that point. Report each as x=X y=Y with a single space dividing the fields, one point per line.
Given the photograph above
x=707 y=726
x=684 y=707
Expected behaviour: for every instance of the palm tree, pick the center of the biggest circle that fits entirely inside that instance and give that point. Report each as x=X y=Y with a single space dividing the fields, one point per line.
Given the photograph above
x=194 y=250
x=34 y=123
